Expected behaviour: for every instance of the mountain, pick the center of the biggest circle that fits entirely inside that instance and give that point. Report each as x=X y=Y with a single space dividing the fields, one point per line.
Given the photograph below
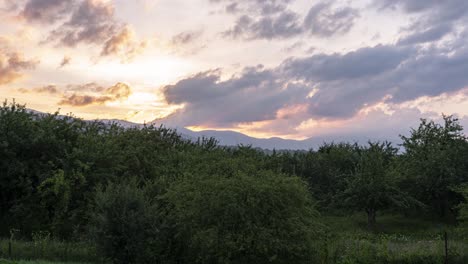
x=232 y=138
x=228 y=138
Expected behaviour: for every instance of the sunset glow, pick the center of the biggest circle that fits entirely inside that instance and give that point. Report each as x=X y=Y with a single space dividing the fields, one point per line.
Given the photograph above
x=290 y=69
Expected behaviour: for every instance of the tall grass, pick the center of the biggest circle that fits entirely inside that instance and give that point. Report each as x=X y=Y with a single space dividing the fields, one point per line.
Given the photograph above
x=33 y=262
x=397 y=240
x=48 y=249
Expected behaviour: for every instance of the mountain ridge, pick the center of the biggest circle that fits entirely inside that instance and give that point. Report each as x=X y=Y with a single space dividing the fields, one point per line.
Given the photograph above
x=234 y=138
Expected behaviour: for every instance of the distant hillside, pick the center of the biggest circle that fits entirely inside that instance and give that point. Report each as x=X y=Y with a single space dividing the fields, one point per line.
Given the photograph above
x=232 y=138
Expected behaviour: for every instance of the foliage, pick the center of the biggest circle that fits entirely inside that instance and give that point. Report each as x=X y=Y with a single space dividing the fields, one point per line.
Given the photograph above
x=373 y=187
x=148 y=195
x=436 y=160
x=208 y=219
x=242 y=219
x=463 y=207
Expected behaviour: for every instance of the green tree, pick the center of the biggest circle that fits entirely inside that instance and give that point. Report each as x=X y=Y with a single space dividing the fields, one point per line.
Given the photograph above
x=436 y=161
x=125 y=224
x=260 y=218
x=374 y=186
x=463 y=207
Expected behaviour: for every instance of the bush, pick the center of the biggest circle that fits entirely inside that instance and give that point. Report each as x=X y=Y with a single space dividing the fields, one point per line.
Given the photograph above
x=264 y=218
x=124 y=224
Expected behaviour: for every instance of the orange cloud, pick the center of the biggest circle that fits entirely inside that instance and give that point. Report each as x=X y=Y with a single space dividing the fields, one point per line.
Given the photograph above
x=49 y=89
x=117 y=92
x=123 y=44
x=12 y=65
x=65 y=61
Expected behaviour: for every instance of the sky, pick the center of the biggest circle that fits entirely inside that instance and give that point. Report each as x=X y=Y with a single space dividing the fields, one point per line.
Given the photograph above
x=266 y=68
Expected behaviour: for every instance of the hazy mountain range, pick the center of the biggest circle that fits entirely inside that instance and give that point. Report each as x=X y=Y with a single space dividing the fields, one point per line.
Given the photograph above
x=233 y=138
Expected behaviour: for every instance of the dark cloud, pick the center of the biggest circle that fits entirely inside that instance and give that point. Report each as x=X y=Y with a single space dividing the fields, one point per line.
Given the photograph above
x=91 y=22
x=46 y=11
x=342 y=85
x=117 y=92
x=442 y=10
x=284 y=25
x=436 y=19
x=429 y=73
x=84 y=22
x=262 y=19
x=270 y=19
x=12 y=65
x=369 y=61
x=254 y=95
x=324 y=20
x=429 y=35
x=264 y=7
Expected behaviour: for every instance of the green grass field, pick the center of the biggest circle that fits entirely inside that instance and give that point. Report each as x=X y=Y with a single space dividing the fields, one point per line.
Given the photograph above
x=34 y=262
x=49 y=250
x=396 y=240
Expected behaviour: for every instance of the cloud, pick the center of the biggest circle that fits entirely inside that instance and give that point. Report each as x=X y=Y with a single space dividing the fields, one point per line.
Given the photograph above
x=12 y=65
x=272 y=19
x=260 y=19
x=330 y=86
x=65 y=61
x=88 y=87
x=123 y=45
x=185 y=38
x=429 y=35
x=364 y=62
x=89 y=22
x=434 y=19
x=46 y=11
x=258 y=91
x=117 y=92
x=9 y=5
x=283 y=25
x=325 y=21
x=48 y=89
x=264 y=7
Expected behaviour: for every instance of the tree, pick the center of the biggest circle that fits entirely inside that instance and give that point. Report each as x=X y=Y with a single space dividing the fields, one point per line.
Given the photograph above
x=261 y=218
x=373 y=187
x=436 y=160
x=463 y=207
x=125 y=224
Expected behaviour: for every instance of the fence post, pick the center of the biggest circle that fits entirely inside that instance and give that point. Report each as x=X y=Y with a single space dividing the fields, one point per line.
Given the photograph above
x=446 y=248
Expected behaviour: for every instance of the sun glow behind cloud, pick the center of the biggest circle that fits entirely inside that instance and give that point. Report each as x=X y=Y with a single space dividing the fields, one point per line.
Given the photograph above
x=293 y=82
x=156 y=71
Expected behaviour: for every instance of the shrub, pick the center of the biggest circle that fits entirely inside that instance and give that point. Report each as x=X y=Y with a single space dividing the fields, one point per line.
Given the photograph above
x=263 y=218
x=124 y=225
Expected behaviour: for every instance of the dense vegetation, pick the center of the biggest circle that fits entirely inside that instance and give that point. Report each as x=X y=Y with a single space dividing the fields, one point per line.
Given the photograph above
x=147 y=195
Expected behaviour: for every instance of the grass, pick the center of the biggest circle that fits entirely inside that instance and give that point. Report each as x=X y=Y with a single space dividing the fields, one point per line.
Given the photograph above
x=50 y=250
x=34 y=262
x=396 y=240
